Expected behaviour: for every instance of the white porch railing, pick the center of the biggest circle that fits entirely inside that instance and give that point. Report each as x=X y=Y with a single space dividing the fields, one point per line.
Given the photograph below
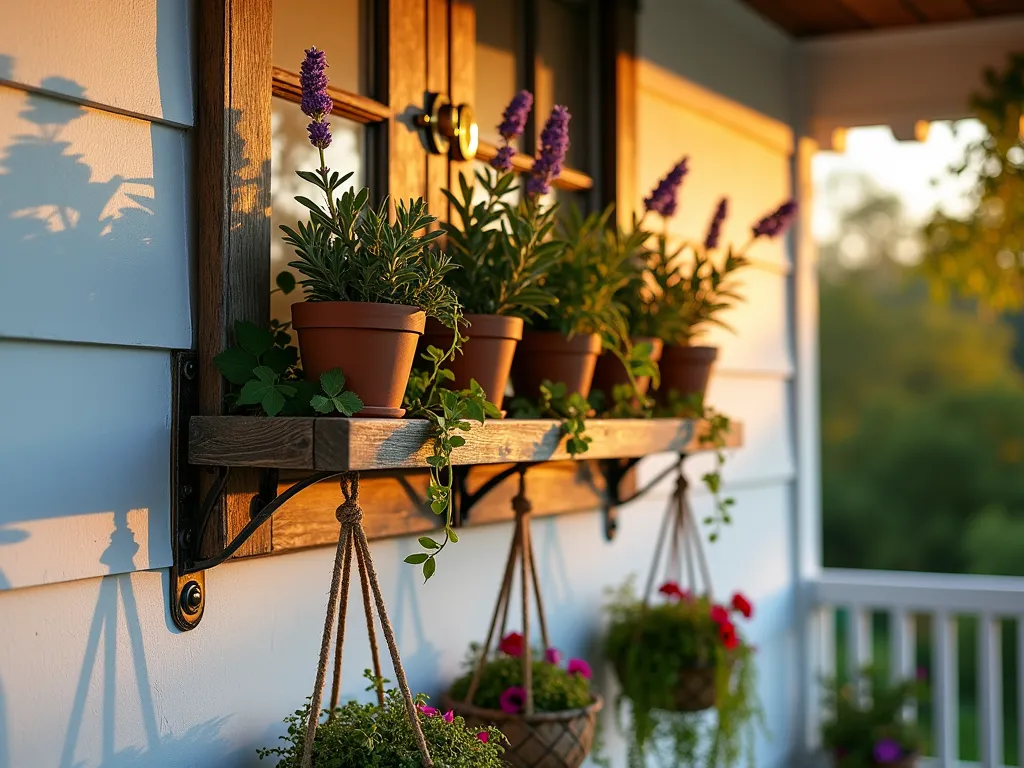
x=943 y=599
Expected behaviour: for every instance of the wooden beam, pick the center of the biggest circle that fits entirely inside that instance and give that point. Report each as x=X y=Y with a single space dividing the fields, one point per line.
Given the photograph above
x=569 y=179
x=351 y=106
x=380 y=444
x=438 y=82
x=404 y=152
x=461 y=69
x=885 y=13
x=617 y=69
x=233 y=189
x=944 y=10
x=803 y=19
x=393 y=503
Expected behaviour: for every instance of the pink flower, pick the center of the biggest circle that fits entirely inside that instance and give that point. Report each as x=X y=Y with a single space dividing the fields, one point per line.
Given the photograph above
x=428 y=711
x=512 y=644
x=484 y=736
x=513 y=699
x=552 y=655
x=449 y=716
x=741 y=604
x=579 y=667
x=719 y=615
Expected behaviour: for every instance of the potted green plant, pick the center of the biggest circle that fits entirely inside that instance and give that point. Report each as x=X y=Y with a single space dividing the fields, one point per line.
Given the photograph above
x=686 y=288
x=380 y=736
x=369 y=282
x=503 y=252
x=866 y=724
x=676 y=660
x=551 y=725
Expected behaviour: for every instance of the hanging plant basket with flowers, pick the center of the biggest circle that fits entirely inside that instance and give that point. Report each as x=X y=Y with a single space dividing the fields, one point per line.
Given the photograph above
x=680 y=654
x=547 y=713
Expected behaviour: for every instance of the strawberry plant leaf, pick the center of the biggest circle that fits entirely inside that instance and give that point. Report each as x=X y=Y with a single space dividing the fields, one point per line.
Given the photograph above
x=332 y=381
x=236 y=365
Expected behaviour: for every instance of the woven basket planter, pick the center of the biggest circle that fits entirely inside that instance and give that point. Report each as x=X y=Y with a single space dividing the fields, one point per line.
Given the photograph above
x=543 y=740
x=694 y=692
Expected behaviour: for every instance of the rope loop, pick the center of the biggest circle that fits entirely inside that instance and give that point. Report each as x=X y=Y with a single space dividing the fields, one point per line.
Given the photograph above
x=349 y=513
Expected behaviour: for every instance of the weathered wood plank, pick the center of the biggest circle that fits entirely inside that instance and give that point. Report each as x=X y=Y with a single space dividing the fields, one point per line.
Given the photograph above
x=380 y=444
x=352 y=106
x=393 y=503
x=250 y=441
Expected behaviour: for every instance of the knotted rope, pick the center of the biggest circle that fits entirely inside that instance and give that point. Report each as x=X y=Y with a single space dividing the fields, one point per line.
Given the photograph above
x=680 y=535
x=521 y=551
x=353 y=538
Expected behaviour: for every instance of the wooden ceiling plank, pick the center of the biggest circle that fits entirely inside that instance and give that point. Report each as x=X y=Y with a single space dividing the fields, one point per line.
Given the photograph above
x=997 y=7
x=804 y=19
x=944 y=10
x=883 y=13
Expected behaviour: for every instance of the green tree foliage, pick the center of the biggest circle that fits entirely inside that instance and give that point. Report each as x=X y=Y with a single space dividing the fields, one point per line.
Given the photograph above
x=922 y=415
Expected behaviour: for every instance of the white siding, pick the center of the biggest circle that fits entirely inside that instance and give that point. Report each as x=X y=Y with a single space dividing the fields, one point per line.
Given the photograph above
x=92 y=673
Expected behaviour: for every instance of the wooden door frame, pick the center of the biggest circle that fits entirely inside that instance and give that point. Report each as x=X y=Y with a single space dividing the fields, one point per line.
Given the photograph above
x=236 y=82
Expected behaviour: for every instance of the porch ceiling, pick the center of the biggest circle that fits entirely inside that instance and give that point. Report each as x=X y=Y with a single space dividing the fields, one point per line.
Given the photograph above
x=810 y=18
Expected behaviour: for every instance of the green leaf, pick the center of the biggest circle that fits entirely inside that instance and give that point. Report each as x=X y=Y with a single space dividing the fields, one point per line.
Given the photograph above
x=439 y=507
x=457 y=441
x=348 y=403
x=333 y=381
x=253 y=339
x=428 y=569
x=285 y=281
x=265 y=374
x=452 y=536
x=236 y=365
x=428 y=543
x=416 y=559
x=322 y=404
x=280 y=359
x=253 y=392
x=273 y=401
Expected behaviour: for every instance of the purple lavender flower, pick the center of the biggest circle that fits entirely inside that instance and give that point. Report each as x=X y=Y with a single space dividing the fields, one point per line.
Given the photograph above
x=665 y=197
x=319 y=134
x=554 y=144
x=715 y=227
x=887 y=751
x=313 y=77
x=503 y=160
x=513 y=120
x=777 y=222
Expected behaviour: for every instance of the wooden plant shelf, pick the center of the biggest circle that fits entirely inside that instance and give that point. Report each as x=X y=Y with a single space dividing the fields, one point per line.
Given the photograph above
x=343 y=445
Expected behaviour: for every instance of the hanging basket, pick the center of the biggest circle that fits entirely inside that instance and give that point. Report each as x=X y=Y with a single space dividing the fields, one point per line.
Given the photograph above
x=695 y=690
x=542 y=740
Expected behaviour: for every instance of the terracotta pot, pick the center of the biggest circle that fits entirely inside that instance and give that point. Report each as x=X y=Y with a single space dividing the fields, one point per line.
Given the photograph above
x=695 y=689
x=373 y=344
x=685 y=370
x=550 y=355
x=543 y=740
x=610 y=371
x=486 y=357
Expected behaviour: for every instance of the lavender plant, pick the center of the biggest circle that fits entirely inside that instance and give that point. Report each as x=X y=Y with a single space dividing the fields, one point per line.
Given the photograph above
x=499 y=275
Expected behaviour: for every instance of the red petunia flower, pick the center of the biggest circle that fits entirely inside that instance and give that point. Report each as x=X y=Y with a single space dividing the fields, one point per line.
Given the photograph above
x=671 y=589
x=719 y=615
x=741 y=604
x=727 y=633
x=484 y=736
x=512 y=644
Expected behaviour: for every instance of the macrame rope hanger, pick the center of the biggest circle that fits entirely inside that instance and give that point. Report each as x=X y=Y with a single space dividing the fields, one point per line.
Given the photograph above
x=353 y=542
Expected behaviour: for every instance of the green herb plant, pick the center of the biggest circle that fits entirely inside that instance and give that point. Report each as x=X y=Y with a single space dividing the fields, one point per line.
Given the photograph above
x=556 y=402
x=349 y=251
x=649 y=646
x=450 y=414
x=503 y=250
x=370 y=736
x=265 y=366
x=712 y=438
x=867 y=711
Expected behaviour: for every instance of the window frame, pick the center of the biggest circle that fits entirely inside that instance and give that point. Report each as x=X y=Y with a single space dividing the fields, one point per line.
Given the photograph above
x=236 y=84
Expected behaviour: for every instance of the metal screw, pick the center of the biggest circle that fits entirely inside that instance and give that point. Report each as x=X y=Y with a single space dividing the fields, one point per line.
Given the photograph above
x=186 y=538
x=189 y=370
x=186 y=491
x=191 y=598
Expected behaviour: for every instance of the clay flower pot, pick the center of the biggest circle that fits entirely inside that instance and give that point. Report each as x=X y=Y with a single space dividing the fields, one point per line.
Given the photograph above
x=486 y=357
x=550 y=355
x=542 y=740
x=685 y=370
x=373 y=344
x=610 y=371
